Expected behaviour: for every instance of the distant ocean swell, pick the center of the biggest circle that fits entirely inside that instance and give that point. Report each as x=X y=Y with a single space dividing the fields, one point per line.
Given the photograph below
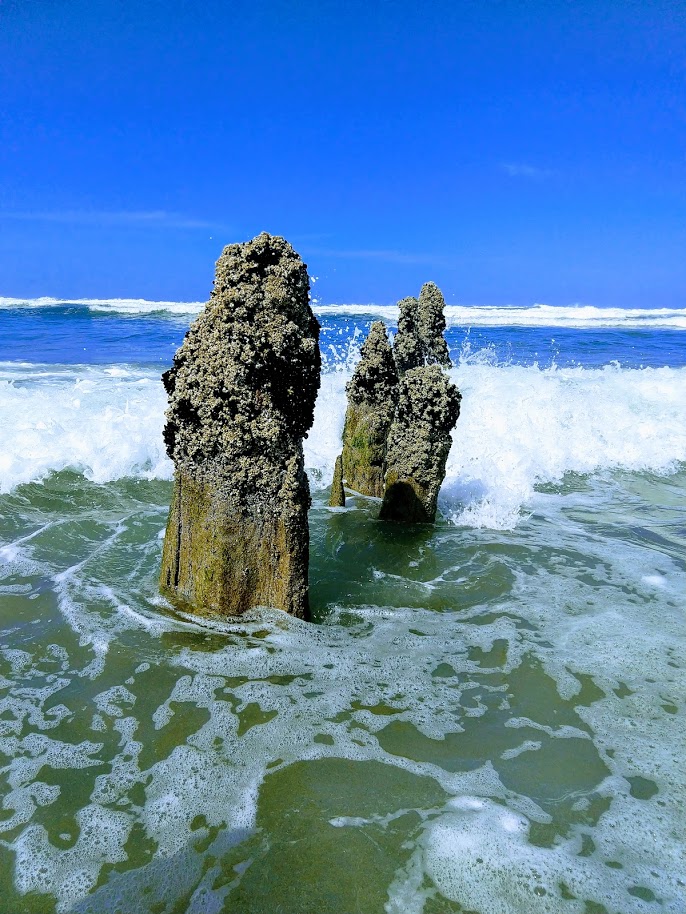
x=521 y=426
x=573 y=316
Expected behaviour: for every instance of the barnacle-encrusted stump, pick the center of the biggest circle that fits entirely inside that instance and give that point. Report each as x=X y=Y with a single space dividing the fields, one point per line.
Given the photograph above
x=421 y=324
x=407 y=344
x=418 y=444
x=242 y=389
x=372 y=395
x=431 y=325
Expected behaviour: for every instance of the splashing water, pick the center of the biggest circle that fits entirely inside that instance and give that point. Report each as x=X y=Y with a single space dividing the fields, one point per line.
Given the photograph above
x=484 y=717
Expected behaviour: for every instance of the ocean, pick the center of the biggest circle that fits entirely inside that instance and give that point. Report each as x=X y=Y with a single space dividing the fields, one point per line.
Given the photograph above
x=485 y=716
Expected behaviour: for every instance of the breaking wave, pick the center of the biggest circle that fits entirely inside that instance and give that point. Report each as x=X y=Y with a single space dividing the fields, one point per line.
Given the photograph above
x=538 y=315
x=521 y=427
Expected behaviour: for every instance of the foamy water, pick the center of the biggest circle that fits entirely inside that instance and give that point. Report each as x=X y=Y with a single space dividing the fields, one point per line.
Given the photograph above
x=133 y=306
x=373 y=710
x=484 y=715
x=520 y=427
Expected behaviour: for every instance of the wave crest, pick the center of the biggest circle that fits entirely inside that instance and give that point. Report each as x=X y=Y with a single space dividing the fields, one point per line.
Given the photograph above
x=520 y=427
x=538 y=315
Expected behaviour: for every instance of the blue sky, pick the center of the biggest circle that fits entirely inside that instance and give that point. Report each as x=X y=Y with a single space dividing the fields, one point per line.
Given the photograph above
x=513 y=152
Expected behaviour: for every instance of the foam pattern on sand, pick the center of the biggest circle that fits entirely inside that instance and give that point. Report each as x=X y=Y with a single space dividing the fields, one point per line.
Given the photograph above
x=552 y=753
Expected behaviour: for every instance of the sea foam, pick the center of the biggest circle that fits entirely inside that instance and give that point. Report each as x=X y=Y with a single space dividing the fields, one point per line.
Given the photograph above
x=523 y=426
x=520 y=427
x=537 y=315
x=106 y=423
x=185 y=732
x=134 y=306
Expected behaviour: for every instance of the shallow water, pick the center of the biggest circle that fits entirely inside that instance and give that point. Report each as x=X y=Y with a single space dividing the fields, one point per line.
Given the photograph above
x=487 y=715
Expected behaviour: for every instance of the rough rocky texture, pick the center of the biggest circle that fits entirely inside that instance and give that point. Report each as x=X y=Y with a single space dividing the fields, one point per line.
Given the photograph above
x=421 y=324
x=407 y=345
x=337 y=497
x=372 y=395
x=418 y=444
x=431 y=325
x=395 y=444
x=242 y=389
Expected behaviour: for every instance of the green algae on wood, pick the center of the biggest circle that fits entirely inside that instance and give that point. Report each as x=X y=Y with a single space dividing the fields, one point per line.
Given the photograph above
x=418 y=445
x=242 y=389
x=372 y=395
x=337 y=497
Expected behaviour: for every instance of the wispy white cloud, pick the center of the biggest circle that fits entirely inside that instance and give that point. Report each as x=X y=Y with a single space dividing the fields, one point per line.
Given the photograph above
x=152 y=218
x=522 y=170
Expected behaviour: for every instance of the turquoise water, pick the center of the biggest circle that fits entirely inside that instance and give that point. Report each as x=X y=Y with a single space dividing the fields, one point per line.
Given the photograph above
x=486 y=715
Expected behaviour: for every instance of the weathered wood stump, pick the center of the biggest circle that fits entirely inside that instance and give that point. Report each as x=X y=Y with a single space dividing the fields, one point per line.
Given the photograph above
x=418 y=445
x=372 y=395
x=242 y=389
x=431 y=325
x=421 y=324
x=337 y=497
